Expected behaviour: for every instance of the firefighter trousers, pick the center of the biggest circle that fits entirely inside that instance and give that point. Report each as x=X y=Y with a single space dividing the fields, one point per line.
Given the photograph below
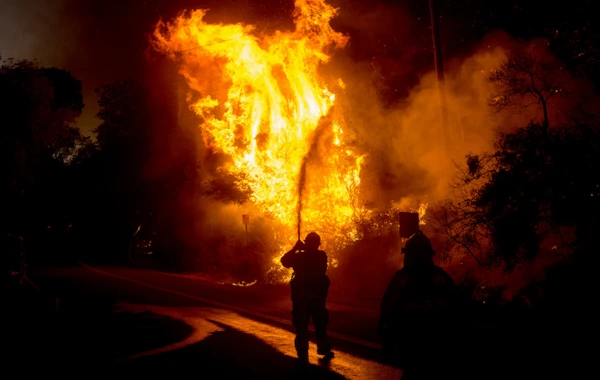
x=302 y=311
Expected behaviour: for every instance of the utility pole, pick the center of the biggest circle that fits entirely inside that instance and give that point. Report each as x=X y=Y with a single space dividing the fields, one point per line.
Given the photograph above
x=439 y=68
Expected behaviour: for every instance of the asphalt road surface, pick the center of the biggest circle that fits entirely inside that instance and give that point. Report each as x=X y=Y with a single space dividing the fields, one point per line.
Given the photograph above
x=147 y=322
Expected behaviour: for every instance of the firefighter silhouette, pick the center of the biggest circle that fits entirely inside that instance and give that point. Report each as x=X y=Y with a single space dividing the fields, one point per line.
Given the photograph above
x=309 y=288
x=413 y=316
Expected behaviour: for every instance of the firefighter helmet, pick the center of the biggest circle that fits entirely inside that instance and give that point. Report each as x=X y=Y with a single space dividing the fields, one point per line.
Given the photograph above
x=313 y=239
x=418 y=243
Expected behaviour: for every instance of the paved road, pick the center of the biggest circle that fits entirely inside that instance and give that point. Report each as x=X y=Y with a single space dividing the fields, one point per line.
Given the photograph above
x=127 y=319
x=141 y=320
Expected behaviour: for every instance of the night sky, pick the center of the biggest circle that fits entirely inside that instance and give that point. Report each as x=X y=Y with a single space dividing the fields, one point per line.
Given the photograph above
x=103 y=40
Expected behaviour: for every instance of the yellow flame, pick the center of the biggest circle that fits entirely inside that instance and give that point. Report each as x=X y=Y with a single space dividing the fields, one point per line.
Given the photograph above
x=263 y=103
x=422 y=210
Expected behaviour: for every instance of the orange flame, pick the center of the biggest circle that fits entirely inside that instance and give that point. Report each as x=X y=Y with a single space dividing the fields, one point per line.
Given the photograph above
x=262 y=102
x=422 y=210
x=244 y=284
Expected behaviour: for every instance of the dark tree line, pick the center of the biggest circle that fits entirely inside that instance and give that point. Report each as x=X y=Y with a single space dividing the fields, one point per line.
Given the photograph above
x=65 y=196
x=38 y=106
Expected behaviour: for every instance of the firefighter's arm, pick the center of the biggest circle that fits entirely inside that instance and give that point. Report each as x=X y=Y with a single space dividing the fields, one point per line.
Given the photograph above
x=288 y=260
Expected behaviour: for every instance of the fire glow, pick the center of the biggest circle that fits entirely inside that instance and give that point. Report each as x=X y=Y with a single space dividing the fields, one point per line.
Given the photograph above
x=263 y=103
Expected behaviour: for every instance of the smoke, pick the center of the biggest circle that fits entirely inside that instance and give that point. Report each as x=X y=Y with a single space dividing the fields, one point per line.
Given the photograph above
x=405 y=162
x=35 y=31
x=404 y=143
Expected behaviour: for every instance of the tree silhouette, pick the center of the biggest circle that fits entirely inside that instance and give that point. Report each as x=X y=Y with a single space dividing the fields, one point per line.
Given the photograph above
x=140 y=189
x=38 y=144
x=537 y=180
x=111 y=176
x=525 y=80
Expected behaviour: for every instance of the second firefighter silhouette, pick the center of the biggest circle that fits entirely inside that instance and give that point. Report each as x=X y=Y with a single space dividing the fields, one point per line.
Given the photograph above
x=310 y=286
x=415 y=314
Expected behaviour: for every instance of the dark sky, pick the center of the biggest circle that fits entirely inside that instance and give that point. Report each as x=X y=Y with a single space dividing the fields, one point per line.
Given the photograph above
x=102 y=40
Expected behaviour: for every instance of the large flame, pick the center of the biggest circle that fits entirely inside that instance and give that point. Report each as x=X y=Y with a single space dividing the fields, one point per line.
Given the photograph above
x=263 y=103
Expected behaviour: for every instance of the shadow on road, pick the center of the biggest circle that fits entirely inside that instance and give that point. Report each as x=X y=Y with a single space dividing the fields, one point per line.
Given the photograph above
x=88 y=334
x=79 y=332
x=229 y=353
x=139 y=332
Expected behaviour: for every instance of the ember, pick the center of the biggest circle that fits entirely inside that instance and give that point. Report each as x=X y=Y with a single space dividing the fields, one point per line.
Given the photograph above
x=243 y=283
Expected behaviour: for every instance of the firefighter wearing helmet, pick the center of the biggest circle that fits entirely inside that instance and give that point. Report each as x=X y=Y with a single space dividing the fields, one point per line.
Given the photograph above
x=412 y=314
x=309 y=286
